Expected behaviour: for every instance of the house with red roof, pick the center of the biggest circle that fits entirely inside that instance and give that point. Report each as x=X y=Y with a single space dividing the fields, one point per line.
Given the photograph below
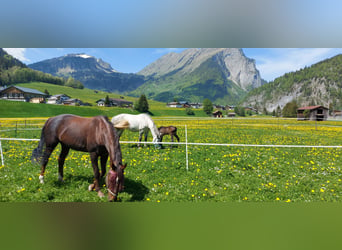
x=312 y=113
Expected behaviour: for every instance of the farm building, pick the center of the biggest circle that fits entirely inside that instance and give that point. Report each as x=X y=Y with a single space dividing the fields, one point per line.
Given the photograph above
x=217 y=113
x=16 y=93
x=196 y=105
x=312 y=113
x=337 y=113
x=57 y=99
x=184 y=104
x=73 y=102
x=115 y=102
x=174 y=105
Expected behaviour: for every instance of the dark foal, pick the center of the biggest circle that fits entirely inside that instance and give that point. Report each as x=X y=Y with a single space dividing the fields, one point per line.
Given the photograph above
x=170 y=130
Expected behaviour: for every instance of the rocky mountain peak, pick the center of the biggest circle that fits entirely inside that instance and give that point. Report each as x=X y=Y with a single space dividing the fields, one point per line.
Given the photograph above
x=71 y=63
x=235 y=65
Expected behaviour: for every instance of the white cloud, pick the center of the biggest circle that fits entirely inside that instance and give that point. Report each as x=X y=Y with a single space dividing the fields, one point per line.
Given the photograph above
x=18 y=53
x=281 y=61
x=166 y=50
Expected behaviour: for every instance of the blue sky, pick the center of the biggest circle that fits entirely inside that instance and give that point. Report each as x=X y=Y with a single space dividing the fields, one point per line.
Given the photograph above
x=271 y=62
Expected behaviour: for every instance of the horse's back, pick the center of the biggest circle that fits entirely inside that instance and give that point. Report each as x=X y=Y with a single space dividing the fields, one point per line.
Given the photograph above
x=136 y=122
x=68 y=125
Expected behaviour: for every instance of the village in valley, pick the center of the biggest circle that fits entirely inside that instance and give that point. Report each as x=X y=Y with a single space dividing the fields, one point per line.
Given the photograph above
x=16 y=93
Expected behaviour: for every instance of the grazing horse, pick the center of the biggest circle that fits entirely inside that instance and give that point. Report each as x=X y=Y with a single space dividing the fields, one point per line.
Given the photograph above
x=95 y=135
x=141 y=123
x=170 y=130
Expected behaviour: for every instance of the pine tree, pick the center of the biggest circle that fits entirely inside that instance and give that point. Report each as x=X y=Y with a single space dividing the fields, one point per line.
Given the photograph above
x=290 y=109
x=207 y=106
x=142 y=104
x=107 y=101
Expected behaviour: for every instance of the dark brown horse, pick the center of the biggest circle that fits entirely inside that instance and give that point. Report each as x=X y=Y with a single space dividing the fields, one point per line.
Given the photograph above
x=95 y=135
x=170 y=130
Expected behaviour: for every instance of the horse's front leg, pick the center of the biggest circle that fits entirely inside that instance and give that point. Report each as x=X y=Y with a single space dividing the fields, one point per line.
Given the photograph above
x=61 y=160
x=177 y=137
x=104 y=159
x=96 y=185
x=146 y=134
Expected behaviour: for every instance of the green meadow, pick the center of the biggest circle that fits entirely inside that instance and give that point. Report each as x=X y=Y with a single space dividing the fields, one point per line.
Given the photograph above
x=213 y=173
x=21 y=109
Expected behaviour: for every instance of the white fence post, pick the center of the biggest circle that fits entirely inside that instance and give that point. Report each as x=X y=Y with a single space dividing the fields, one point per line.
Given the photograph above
x=186 y=148
x=2 y=156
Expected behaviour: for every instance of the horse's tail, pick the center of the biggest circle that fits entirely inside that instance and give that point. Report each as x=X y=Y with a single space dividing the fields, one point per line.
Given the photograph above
x=38 y=151
x=122 y=124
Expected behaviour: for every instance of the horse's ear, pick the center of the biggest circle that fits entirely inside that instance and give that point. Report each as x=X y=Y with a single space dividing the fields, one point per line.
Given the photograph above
x=123 y=166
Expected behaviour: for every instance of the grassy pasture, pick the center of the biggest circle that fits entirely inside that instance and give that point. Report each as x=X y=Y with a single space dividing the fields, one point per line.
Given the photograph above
x=20 y=109
x=216 y=173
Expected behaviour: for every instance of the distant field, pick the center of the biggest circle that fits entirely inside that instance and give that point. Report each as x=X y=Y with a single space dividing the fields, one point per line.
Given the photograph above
x=21 y=109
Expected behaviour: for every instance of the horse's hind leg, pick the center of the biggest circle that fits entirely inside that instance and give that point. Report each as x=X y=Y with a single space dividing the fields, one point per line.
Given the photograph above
x=45 y=160
x=140 y=137
x=61 y=160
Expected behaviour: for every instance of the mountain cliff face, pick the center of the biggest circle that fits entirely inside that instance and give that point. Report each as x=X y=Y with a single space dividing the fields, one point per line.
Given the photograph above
x=222 y=75
x=235 y=65
x=320 y=84
x=92 y=72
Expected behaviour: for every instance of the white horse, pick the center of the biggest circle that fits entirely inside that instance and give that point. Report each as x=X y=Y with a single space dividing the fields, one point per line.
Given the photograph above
x=141 y=123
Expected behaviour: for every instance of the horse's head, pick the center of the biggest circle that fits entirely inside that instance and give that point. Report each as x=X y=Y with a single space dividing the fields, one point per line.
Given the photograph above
x=115 y=181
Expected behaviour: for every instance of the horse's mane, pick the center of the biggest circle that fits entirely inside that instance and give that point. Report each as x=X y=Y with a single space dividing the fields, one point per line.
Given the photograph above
x=112 y=148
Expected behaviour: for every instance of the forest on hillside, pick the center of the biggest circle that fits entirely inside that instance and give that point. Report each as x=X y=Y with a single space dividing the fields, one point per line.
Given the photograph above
x=13 y=71
x=329 y=70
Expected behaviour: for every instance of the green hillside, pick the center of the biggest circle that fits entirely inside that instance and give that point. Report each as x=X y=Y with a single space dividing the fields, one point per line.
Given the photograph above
x=23 y=109
x=12 y=71
x=319 y=84
x=207 y=81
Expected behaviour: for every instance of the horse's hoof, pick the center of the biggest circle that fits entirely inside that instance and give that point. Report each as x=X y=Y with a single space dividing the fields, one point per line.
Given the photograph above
x=60 y=178
x=91 y=187
x=100 y=194
x=41 y=179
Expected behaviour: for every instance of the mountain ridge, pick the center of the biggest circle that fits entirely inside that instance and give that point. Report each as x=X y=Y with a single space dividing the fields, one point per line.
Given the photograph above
x=319 y=84
x=94 y=73
x=188 y=60
x=230 y=74
x=220 y=74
